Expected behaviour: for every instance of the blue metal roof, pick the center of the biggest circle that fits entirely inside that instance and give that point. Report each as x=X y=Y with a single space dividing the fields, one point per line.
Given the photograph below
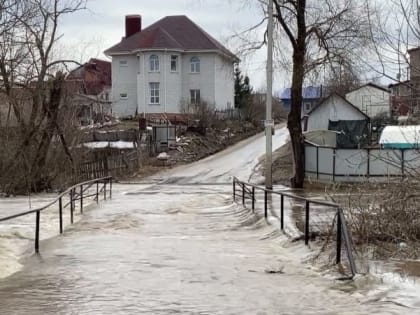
x=307 y=92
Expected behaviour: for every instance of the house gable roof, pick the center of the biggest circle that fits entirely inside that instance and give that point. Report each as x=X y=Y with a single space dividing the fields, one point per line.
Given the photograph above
x=171 y=32
x=371 y=85
x=94 y=76
x=341 y=98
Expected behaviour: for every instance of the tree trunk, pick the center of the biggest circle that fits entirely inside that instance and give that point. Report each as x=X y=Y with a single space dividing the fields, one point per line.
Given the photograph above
x=294 y=119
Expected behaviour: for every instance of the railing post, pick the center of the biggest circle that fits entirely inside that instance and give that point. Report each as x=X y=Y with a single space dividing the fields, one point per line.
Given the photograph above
x=282 y=212
x=38 y=213
x=307 y=222
x=110 y=188
x=60 y=213
x=71 y=206
x=97 y=192
x=265 y=204
x=81 y=198
x=253 y=199
x=234 y=190
x=338 y=249
x=104 y=189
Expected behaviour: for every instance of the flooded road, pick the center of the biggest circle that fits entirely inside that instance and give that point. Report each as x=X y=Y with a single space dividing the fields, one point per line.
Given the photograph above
x=168 y=249
x=181 y=248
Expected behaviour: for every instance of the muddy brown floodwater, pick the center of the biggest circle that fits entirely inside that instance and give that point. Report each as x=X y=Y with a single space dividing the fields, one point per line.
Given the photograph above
x=178 y=249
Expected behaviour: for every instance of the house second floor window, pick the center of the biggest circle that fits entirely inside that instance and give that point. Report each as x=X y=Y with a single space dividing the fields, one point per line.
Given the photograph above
x=154 y=63
x=195 y=97
x=195 y=65
x=154 y=92
x=174 y=63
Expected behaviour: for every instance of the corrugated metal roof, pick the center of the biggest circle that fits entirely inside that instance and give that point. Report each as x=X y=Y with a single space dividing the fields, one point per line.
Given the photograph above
x=307 y=92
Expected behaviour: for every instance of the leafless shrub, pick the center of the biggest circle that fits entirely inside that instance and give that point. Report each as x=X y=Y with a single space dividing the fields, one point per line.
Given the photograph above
x=255 y=110
x=387 y=220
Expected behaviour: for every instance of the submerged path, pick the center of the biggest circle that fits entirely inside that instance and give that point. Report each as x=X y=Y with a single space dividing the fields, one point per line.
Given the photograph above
x=180 y=247
x=170 y=249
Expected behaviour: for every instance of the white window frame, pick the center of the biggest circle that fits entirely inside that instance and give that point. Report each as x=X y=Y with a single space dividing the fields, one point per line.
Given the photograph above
x=123 y=63
x=123 y=96
x=174 y=62
x=195 y=64
x=154 y=63
x=154 y=93
x=194 y=100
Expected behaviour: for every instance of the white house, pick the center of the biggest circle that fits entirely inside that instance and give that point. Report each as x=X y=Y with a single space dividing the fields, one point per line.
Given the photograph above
x=371 y=99
x=337 y=114
x=167 y=65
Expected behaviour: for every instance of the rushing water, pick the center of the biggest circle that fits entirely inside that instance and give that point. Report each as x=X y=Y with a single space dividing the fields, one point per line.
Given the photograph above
x=179 y=247
x=170 y=249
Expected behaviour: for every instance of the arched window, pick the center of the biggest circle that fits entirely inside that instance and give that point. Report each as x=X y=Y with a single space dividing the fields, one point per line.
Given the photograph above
x=154 y=63
x=195 y=65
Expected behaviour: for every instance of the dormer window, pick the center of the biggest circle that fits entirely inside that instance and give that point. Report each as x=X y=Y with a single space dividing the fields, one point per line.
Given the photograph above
x=195 y=65
x=154 y=63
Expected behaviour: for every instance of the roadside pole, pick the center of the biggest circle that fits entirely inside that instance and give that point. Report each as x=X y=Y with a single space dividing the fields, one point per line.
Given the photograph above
x=269 y=124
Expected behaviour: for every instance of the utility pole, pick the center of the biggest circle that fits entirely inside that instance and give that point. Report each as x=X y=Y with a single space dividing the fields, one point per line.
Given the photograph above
x=269 y=124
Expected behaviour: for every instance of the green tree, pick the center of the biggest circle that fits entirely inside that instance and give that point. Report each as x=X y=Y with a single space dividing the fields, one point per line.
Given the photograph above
x=243 y=89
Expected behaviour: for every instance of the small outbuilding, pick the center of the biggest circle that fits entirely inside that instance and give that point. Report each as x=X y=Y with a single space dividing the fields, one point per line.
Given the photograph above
x=400 y=137
x=337 y=114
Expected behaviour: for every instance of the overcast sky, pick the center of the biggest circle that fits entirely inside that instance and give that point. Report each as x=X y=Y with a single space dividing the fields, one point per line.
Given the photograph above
x=88 y=33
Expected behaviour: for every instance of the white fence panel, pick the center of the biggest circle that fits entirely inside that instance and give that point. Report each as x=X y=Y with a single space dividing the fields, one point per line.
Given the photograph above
x=385 y=162
x=358 y=164
x=412 y=162
x=310 y=159
x=351 y=162
x=325 y=160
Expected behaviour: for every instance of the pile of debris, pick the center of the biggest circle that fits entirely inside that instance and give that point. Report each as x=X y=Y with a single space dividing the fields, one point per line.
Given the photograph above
x=192 y=146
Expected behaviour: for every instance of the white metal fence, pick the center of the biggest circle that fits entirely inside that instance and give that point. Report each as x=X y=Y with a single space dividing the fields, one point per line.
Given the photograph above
x=347 y=165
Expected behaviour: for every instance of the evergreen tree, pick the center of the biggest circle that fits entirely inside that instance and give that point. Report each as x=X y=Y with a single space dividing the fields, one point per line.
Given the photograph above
x=242 y=89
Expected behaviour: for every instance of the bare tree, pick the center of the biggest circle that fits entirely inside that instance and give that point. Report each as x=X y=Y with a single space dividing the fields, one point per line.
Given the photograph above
x=311 y=35
x=32 y=84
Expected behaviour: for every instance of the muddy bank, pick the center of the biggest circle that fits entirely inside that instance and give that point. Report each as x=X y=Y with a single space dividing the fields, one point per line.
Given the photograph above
x=282 y=167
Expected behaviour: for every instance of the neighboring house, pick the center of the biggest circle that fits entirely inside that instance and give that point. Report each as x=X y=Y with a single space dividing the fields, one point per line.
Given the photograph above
x=311 y=95
x=371 y=99
x=405 y=95
x=400 y=98
x=91 y=83
x=167 y=66
x=337 y=114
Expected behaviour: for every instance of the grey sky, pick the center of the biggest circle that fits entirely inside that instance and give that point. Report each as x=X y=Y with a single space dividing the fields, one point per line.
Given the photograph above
x=88 y=33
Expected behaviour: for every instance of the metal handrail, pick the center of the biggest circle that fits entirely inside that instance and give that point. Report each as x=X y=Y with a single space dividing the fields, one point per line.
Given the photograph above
x=84 y=186
x=342 y=231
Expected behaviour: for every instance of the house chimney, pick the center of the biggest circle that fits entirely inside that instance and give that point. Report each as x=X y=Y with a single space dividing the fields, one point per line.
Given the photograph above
x=132 y=24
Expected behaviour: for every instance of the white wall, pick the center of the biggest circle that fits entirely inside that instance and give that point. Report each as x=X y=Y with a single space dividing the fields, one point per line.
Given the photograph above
x=370 y=100
x=203 y=81
x=169 y=83
x=215 y=82
x=124 y=80
x=334 y=108
x=224 y=83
